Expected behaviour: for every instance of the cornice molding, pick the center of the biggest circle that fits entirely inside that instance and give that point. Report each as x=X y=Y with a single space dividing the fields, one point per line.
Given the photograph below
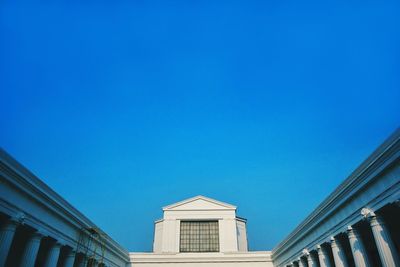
x=199 y=197
x=256 y=256
x=20 y=177
x=382 y=157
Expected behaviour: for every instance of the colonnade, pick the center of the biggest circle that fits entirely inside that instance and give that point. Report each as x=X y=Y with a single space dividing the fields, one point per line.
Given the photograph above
x=332 y=253
x=23 y=245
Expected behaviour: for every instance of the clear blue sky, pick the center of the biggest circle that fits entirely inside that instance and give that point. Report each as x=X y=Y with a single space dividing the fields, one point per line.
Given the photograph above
x=123 y=107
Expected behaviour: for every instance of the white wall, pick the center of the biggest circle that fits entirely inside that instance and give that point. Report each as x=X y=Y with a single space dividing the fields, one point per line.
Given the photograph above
x=158 y=230
x=241 y=234
x=238 y=259
x=166 y=239
x=205 y=264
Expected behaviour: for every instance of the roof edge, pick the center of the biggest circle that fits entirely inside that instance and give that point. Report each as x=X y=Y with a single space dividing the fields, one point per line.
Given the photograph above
x=180 y=203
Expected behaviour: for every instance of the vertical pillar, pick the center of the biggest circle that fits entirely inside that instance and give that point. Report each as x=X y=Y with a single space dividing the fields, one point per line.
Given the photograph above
x=386 y=248
x=357 y=248
x=301 y=263
x=69 y=259
x=53 y=255
x=83 y=261
x=310 y=259
x=323 y=257
x=338 y=253
x=31 y=250
x=7 y=233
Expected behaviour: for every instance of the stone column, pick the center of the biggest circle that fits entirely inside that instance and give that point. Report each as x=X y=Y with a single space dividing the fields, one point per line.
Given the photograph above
x=83 y=262
x=7 y=232
x=31 y=250
x=301 y=263
x=323 y=257
x=70 y=259
x=386 y=248
x=360 y=255
x=54 y=254
x=338 y=253
x=310 y=259
x=92 y=262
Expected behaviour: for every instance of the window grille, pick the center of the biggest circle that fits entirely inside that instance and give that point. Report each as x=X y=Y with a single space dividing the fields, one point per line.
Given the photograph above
x=199 y=236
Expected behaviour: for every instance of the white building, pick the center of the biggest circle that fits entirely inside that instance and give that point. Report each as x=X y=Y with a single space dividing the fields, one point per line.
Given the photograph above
x=358 y=224
x=198 y=232
x=228 y=232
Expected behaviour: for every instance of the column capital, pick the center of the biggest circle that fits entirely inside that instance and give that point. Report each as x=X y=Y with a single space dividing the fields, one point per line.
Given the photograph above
x=376 y=220
x=367 y=213
x=58 y=244
x=352 y=233
x=10 y=225
x=71 y=253
x=39 y=234
x=306 y=253
x=384 y=243
x=18 y=218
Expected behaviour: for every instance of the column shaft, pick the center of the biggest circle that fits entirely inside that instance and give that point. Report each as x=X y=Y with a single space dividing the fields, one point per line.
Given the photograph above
x=338 y=254
x=386 y=248
x=52 y=257
x=7 y=233
x=323 y=257
x=360 y=255
x=311 y=260
x=70 y=259
x=301 y=263
x=31 y=250
x=83 y=262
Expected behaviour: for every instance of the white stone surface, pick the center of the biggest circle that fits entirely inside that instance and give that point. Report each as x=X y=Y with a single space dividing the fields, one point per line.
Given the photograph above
x=232 y=238
x=242 y=234
x=360 y=255
x=339 y=256
x=231 y=228
x=158 y=235
x=386 y=248
x=239 y=259
x=323 y=257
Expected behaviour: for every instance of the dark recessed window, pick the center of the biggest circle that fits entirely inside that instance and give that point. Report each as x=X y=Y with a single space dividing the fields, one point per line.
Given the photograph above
x=199 y=236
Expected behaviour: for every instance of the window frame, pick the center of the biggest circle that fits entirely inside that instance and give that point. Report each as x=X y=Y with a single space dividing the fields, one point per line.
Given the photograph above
x=193 y=236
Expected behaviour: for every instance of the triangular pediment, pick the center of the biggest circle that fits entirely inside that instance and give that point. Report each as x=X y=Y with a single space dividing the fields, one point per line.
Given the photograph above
x=200 y=203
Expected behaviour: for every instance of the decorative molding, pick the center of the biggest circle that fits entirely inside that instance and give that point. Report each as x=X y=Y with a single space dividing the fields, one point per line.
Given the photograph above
x=206 y=199
x=17 y=176
x=381 y=159
x=367 y=213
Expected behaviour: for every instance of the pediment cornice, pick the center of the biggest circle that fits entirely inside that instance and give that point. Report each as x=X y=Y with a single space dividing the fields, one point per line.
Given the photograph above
x=199 y=203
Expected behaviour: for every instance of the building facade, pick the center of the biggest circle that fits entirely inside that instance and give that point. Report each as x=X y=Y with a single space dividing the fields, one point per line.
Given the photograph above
x=357 y=225
x=40 y=228
x=200 y=232
x=229 y=231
